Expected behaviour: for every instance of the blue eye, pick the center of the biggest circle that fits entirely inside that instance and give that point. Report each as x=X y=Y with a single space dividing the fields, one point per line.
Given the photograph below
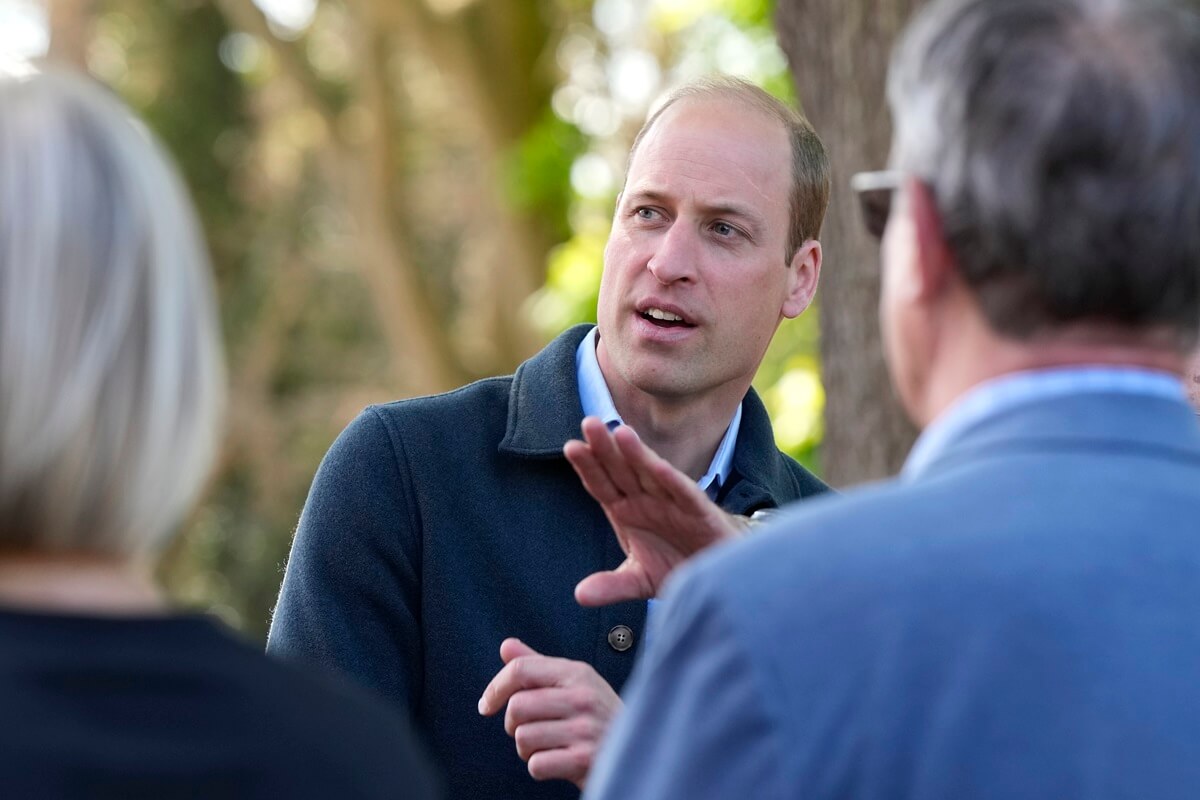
x=723 y=229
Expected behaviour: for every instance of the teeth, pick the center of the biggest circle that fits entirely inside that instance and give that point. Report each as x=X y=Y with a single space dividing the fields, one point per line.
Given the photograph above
x=665 y=316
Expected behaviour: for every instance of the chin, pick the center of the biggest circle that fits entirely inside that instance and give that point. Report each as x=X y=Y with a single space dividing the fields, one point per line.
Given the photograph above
x=664 y=385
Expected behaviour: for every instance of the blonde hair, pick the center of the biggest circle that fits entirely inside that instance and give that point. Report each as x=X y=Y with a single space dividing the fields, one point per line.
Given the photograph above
x=111 y=373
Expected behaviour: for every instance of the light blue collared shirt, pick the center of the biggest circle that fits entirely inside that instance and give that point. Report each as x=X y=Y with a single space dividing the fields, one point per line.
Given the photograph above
x=597 y=401
x=1009 y=391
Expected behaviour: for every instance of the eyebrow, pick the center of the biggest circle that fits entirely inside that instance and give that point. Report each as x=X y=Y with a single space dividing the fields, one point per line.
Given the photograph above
x=752 y=220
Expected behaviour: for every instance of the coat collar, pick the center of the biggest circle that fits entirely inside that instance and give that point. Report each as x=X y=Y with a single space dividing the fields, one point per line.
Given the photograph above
x=544 y=413
x=765 y=477
x=1112 y=422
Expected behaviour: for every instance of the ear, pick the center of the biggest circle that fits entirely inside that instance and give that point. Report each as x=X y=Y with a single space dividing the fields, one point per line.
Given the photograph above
x=802 y=275
x=934 y=263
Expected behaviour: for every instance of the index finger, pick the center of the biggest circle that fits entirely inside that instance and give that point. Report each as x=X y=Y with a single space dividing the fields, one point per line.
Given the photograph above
x=653 y=473
x=608 y=457
x=591 y=474
x=526 y=672
x=612 y=450
x=658 y=476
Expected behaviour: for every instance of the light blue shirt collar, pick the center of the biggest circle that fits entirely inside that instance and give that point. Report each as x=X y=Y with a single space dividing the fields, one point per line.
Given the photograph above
x=597 y=402
x=1009 y=391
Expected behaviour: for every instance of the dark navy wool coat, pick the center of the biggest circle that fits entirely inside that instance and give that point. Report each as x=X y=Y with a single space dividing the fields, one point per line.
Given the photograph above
x=438 y=526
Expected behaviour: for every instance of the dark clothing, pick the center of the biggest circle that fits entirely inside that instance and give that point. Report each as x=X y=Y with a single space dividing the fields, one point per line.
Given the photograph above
x=438 y=526
x=176 y=707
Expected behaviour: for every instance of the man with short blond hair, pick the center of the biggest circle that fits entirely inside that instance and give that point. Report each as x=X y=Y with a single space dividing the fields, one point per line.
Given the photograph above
x=442 y=529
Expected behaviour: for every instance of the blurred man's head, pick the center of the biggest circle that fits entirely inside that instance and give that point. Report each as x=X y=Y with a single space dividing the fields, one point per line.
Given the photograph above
x=110 y=364
x=713 y=241
x=1048 y=152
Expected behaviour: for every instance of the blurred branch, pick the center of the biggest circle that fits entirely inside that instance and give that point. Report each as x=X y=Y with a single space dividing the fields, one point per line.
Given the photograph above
x=444 y=44
x=423 y=354
x=256 y=426
x=502 y=100
x=245 y=15
x=405 y=309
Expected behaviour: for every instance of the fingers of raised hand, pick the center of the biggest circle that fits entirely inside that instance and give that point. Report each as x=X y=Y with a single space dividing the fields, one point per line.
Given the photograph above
x=596 y=433
x=612 y=458
x=591 y=473
x=639 y=459
x=655 y=475
x=613 y=586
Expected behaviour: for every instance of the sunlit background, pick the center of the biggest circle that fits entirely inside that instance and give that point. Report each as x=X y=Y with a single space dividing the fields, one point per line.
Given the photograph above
x=400 y=196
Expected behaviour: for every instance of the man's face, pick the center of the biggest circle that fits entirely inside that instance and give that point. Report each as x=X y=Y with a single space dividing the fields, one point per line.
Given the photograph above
x=695 y=275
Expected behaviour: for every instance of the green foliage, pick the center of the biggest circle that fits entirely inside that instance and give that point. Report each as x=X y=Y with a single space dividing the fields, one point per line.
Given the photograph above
x=572 y=283
x=789 y=382
x=537 y=171
x=749 y=13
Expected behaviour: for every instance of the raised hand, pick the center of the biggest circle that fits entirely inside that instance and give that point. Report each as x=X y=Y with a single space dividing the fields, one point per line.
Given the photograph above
x=660 y=516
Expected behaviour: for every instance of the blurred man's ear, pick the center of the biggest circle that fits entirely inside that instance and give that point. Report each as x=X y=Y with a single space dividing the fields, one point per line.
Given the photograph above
x=934 y=261
x=803 y=273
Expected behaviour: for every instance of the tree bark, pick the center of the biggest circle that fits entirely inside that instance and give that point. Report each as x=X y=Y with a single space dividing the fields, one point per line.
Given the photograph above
x=838 y=52
x=494 y=53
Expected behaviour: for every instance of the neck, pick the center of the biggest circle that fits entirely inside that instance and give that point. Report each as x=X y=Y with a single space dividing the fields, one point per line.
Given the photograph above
x=78 y=583
x=981 y=355
x=684 y=431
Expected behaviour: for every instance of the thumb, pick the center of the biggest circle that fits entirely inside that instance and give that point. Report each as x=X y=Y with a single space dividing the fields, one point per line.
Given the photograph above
x=514 y=648
x=615 y=586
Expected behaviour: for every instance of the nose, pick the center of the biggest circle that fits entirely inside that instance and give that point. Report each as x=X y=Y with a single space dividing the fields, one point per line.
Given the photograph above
x=674 y=257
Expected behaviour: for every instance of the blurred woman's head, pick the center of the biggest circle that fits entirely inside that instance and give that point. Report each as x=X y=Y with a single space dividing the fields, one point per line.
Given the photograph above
x=111 y=375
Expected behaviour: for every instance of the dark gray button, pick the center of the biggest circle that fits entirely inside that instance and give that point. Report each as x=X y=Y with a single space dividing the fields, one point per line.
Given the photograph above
x=620 y=638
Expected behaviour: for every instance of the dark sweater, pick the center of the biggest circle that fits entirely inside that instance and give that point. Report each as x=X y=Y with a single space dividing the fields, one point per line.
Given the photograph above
x=177 y=707
x=438 y=526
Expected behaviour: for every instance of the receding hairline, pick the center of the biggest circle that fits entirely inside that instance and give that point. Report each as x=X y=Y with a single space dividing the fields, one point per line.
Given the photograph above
x=809 y=181
x=723 y=91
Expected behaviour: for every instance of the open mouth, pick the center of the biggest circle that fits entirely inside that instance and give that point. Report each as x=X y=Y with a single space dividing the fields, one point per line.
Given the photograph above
x=664 y=319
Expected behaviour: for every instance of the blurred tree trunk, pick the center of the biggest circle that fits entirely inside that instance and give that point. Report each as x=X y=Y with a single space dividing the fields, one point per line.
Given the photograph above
x=70 y=31
x=838 y=52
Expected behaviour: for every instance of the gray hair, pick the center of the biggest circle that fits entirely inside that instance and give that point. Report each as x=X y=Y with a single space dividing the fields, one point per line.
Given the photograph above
x=111 y=374
x=1061 y=142
x=809 y=194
